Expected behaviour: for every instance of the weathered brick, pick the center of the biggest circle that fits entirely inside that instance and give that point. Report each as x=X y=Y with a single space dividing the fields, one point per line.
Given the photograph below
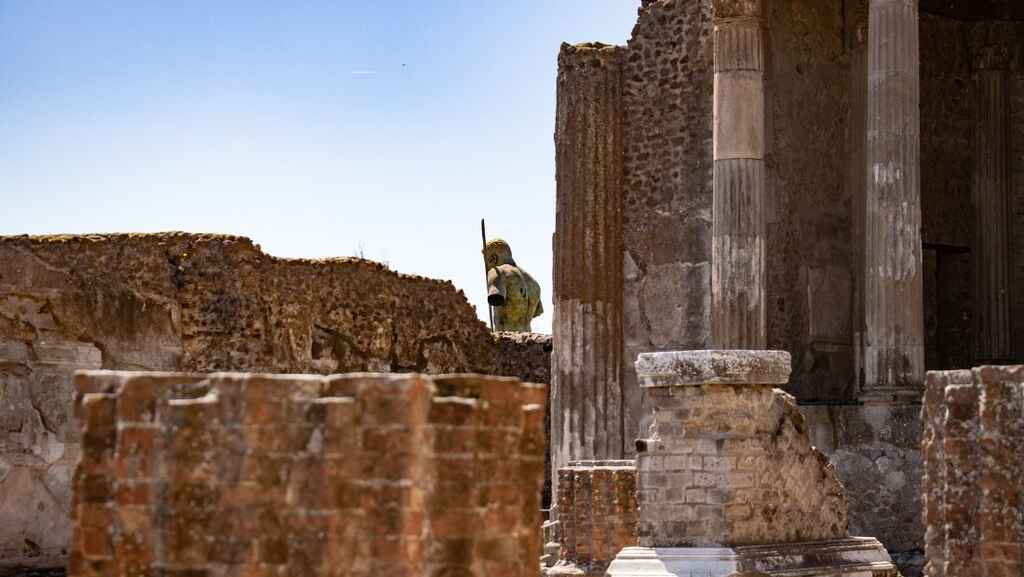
x=257 y=476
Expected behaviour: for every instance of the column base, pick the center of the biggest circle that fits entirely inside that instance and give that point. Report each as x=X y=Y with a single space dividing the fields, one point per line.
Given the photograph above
x=852 y=556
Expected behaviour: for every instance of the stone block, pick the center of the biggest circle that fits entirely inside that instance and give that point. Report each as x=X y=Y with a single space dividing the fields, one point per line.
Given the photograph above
x=785 y=514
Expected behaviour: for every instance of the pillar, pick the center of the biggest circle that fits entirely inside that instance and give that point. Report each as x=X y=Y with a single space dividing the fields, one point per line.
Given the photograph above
x=587 y=401
x=728 y=482
x=893 y=297
x=992 y=251
x=738 y=257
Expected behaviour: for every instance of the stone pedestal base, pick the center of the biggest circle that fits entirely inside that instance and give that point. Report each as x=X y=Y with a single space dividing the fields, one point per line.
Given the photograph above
x=852 y=556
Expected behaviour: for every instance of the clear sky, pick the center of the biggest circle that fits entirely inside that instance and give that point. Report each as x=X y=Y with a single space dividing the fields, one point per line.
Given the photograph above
x=315 y=128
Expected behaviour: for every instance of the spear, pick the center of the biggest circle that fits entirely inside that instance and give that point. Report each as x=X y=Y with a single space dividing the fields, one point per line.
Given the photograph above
x=487 y=286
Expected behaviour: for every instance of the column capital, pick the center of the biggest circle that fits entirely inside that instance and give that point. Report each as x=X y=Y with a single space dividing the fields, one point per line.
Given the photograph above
x=713 y=367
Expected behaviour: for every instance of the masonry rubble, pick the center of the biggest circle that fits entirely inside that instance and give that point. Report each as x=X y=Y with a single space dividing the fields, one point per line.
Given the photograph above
x=360 y=474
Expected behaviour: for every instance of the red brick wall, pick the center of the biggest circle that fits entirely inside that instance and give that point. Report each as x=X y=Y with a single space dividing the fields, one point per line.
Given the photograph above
x=597 y=513
x=229 y=473
x=974 y=472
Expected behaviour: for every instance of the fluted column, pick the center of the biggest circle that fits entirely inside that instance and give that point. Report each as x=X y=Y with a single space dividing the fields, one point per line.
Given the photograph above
x=587 y=404
x=992 y=249
x=893 y=305
x=738 y=251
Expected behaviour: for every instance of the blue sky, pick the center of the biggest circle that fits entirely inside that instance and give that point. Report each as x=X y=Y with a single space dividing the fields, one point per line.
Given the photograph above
x=315 y=128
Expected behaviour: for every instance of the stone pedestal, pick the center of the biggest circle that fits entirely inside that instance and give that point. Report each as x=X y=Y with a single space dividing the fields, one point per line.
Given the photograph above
x=727 y=480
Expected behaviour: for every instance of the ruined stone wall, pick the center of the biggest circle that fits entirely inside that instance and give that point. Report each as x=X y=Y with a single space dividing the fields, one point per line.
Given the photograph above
x=197 y=303
x=973 y=489
x=364 y=474
x=809 y=252
x=667 y=128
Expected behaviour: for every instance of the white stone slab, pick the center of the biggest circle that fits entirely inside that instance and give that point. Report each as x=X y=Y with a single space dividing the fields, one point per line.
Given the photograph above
x=853 y=556
x=724 y=367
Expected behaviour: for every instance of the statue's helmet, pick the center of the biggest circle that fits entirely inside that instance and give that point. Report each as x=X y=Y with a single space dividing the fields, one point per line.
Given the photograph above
x=497 y=252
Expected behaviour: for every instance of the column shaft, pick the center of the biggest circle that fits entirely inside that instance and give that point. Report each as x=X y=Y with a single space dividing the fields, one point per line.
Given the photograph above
x=737 y=274
x=992 y=249
x=893 y=298
x=587 y=409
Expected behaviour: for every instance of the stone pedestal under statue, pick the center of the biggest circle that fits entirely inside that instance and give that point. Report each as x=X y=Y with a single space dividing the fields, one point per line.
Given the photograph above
x=728 y=482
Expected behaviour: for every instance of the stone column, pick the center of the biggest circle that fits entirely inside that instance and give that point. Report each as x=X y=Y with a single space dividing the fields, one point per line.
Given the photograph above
x=587 y=404
x=893 y=297
x=727 y=480
x=992 y=252
x=737 y=273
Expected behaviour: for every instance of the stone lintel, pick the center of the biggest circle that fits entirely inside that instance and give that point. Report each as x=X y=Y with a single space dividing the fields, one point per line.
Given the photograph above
x=721 y=367
x=860 y=556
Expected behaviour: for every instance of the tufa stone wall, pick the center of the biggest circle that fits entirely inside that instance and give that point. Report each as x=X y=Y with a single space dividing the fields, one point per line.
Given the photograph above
x=228 y=473
x=973 y=488
x=668 y=90
x=183 y=302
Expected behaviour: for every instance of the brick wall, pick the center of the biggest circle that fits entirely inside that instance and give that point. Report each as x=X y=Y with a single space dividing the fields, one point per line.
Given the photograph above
x=597 y=513
x=973 y=488
x=303 y=475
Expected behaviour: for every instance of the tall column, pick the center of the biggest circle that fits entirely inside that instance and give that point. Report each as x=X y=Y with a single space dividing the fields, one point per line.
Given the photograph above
x=737 y=273
x=992 y=249
x=893 y=305
x=587 y=403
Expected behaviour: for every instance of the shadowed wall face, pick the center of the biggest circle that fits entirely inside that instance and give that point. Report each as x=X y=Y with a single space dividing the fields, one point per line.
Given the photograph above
x=360 y=474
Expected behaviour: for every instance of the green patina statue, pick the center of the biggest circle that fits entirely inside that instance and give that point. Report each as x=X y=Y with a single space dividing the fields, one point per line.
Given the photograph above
x=512 y=293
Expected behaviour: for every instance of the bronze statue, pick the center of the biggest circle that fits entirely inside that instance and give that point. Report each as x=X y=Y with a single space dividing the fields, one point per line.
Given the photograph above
x=512 y=294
